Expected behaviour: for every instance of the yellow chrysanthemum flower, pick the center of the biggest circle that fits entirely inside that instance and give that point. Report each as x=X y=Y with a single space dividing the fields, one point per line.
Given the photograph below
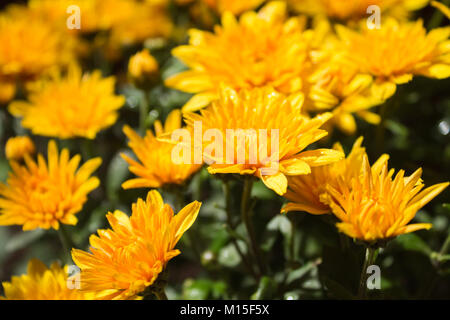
x=234 y=6
x=29 y=48
x=353 y=10
x=42 y=283
x=76 y=105
x=17 y=147
x=128 y=258
x=260 y=49
x=339 y=87
x=43 y=195
x=307 y=192
x=398 y=51
x=377 y=206
x=156 y=168
x=248 y=112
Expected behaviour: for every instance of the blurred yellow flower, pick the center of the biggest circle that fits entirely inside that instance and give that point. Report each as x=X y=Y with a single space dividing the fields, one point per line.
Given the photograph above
x=43 y=195
x=134 y=21
x=7 y=90
x=234 y=6
x=143 y=68
x=262 y=109
x=17 y=147
x=307 y=192
x=377 y=206
x=54 y=12
x=353 y=10
x=397 y=51
x=76 y=105
x=29 y=48
x=128 y=258
x=42 y=283
x=156 y=168
x=263 y=48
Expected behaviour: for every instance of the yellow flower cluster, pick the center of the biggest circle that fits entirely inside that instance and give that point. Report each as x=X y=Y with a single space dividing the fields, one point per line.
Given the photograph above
x=278 y=82
x=347 y=72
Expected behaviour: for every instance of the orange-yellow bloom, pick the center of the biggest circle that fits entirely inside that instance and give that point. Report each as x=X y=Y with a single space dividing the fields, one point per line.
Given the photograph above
x=156 y=168
x=397 y=51
x=17 y=147
x=262 y=48
x=341 y=88
x=77 y=105
x=256 y=152
x=308 y=192
x=43 y=195
x=29 y=47
x=143 y=69
x=42 y=283
x=377 y=206
x=142 y=64
x=128 y=258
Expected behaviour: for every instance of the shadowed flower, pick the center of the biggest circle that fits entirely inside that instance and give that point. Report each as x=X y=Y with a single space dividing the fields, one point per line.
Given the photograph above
x=42 y=283
x=263 y=48
x=377 y=206
x=143 y=69
x=340 y=88
x=43 y=195
x=156 y=168
x=256 y=152
x=397 y=51
x=17 y=147
x=308 y=192
x=77 y=105
x=128 y=258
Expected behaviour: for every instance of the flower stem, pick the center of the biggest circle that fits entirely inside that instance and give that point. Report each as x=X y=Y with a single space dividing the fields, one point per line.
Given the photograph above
x=445 y=246
x=246 y=217
x=231 y=225
x=66 y=241
x=161 y=295
x=368 y=261
x=143 y=113
x=179 y=204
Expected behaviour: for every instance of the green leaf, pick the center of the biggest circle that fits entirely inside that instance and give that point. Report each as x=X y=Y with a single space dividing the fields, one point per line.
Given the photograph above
x=23 y=239
x=196 y=289
x=116 y=175
x=229 y=257
x=302 y=271
x=412 y=242
x=337 y=290
x=266 y=289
